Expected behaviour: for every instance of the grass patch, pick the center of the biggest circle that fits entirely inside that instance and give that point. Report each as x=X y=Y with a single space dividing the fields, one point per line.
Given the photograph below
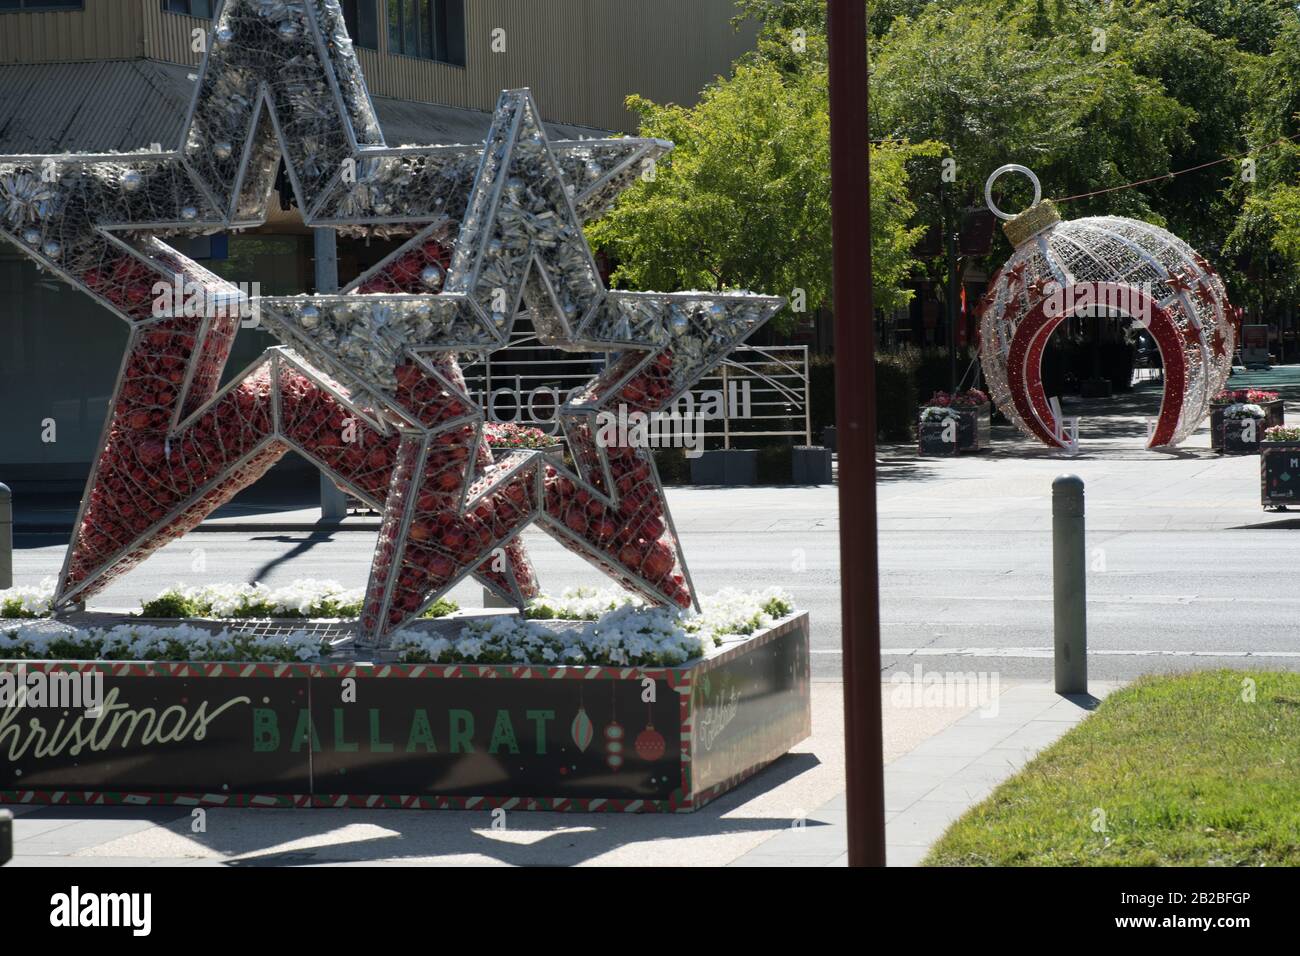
x=1187 y=770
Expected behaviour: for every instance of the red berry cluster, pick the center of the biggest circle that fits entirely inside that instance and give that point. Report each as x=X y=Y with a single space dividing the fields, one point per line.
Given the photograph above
x=441 y=543
x=144 y=477
x=335 y=436
x=403 y=274
x=653 y=388
x=126 y=282
x=633 y=535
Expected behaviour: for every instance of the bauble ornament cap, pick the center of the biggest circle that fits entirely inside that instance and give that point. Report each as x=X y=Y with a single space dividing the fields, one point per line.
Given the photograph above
x=1022 y=227
x=1031 y=222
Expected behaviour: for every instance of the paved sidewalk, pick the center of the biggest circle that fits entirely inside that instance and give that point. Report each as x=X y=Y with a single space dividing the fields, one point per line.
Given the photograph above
x=932 y=785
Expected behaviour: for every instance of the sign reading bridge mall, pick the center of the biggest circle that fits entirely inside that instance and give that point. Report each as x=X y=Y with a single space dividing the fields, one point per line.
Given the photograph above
x=414 y=735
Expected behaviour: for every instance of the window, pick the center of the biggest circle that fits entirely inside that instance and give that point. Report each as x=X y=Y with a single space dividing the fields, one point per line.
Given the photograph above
x=362 y=22
x=37 y=5
x=193 y=8
x=430 y=29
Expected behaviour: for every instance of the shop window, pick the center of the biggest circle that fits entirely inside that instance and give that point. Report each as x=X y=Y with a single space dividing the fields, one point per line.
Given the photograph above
x=429 y=29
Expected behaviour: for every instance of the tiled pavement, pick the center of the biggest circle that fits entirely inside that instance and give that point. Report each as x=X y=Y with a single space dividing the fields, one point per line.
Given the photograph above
x=932 y=785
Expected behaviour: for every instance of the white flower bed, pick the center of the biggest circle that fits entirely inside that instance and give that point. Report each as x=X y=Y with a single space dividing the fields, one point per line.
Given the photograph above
x=629 y=635
x=579 y=604
x=619 y=629
x=732 y=611
x=138 y=642
x=302 y=598
x=28 y=601
x=1243 y=410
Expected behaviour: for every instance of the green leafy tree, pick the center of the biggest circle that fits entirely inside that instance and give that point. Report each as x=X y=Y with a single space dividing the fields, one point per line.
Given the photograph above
x=1265 y=236
x=1023 y=87
x=743 y=201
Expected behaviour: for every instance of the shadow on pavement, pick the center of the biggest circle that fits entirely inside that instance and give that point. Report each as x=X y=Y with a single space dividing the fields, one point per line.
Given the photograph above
x=264 y=837
x=301 y=545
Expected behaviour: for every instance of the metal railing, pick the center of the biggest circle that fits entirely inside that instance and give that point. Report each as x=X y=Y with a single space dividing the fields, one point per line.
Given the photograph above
x=526 y=383
x=763 y=391
x=765 y=394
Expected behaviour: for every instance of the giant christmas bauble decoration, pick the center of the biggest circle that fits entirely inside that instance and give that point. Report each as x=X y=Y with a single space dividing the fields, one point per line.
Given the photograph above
x=1101 y=266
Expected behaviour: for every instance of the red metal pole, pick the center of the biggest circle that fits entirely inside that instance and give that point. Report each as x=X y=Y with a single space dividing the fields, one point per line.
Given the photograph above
x=855 y=389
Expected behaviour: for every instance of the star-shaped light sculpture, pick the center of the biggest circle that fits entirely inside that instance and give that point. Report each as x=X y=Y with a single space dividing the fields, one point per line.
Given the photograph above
x=368 y=384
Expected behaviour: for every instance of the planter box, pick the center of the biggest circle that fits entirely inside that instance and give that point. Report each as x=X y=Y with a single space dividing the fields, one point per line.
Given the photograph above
x=1279 y=473
x=417 y=736
x=1241 y=436
x=732 y=466
x=810 y=465
x=1274 y=414
x=935 y=439
x=973 y=430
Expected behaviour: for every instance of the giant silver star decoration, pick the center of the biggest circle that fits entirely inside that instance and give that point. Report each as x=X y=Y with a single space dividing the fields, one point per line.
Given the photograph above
x=369 y=386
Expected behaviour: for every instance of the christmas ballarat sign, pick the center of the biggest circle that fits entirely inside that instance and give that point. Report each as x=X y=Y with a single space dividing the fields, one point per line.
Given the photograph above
x=420 y=736
x=368 y=385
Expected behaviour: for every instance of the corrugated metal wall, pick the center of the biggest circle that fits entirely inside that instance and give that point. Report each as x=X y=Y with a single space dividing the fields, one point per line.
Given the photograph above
x=97 y=106
x=167 y=36
x=102 y=30
x=580 y=57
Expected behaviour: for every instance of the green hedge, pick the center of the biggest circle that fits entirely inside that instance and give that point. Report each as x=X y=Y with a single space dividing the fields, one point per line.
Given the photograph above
x=821 y=393
x=896 y=390
x=673 y=466
x=905 y=378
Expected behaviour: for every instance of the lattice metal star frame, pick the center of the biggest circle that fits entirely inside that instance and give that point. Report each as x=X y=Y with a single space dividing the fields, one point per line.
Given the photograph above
x=369 y=386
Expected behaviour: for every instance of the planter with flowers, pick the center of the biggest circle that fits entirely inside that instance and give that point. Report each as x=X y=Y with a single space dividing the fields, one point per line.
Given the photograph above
x=591 y=700
x=1243 y=428
x=506 y=436
x=1279 y=467
x=1271 y=404
x=954 y=423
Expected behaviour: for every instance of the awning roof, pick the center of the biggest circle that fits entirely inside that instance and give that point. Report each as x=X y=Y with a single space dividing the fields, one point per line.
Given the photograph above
x=122 y=105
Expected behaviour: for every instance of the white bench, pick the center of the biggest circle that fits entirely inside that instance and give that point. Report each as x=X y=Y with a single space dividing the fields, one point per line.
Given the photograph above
x=1067 y=428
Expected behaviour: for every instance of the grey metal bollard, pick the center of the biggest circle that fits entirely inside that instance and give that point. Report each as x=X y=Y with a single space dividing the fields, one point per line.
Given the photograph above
x=333 y=502
x=1069 y=586
x=6 y=537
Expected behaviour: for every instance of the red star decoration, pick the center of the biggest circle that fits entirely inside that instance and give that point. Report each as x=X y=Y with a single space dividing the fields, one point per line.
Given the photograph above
x=1015 y=276
x=1219 y=344
x=1192 y=334
x=1038 y=288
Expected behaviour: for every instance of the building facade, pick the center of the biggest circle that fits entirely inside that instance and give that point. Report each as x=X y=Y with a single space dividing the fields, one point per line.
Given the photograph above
x=117 y=75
